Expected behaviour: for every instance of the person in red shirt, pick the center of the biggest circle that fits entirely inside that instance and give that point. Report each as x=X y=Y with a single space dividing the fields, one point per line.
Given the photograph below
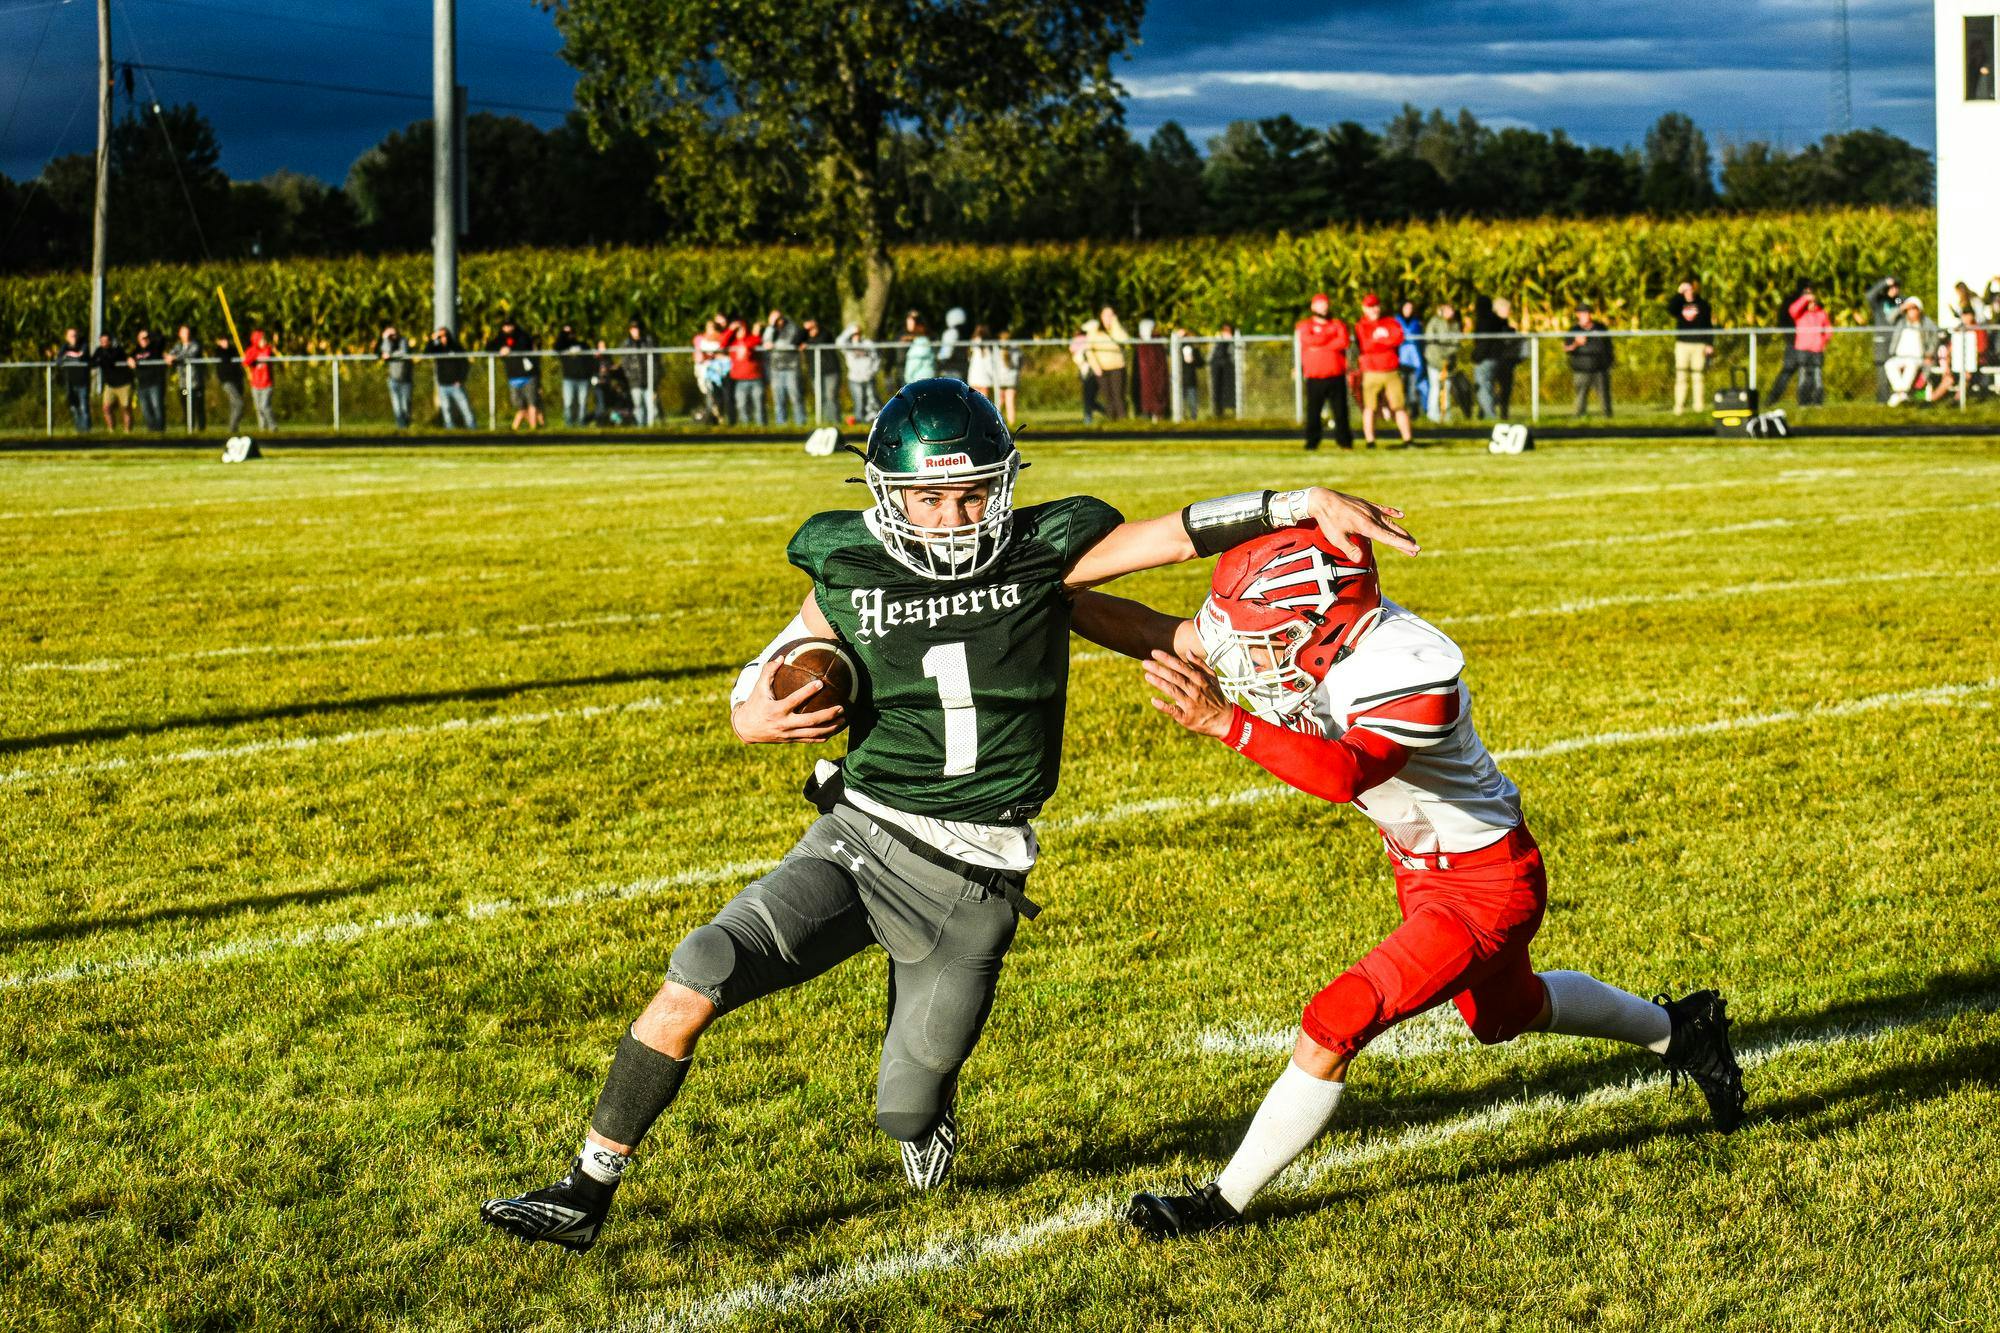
x=1381 y=341
x=1323 y=362
x=257 y=359
x=746 y=371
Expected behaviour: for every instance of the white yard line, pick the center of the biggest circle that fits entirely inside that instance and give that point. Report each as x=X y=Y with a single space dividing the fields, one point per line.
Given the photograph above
x=1083 y=819
x=839 y=1282
x=344 y=931
x=1759 y=589
x=299 y=744
x=1528 y=549
x=106 y=664
x=1429 y=1033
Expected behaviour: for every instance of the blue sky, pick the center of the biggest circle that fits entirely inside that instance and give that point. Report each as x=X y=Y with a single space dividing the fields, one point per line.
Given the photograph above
x=1602 y=71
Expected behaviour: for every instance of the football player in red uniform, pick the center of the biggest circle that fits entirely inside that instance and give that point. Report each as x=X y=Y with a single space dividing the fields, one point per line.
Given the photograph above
x=1298 y=663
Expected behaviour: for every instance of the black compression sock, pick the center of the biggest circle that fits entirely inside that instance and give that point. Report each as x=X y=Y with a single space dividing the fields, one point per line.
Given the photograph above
x=642 y=1084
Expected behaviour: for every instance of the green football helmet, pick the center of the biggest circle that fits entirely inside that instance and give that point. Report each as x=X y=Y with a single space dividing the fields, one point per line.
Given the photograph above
x=932 y=431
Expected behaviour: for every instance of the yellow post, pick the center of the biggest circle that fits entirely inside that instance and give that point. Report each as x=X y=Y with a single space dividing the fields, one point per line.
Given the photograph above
x=230 y=319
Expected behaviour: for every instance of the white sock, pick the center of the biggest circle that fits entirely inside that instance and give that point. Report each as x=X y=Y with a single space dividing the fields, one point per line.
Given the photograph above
x=603 y=1165
x=1294 y=1112
x=1582 y=1006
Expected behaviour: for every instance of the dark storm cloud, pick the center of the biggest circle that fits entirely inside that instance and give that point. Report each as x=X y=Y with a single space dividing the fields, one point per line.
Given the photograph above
x=1604 y=72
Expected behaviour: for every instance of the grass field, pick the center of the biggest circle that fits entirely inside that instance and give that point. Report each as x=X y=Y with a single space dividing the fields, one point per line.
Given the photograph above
x=351 y=803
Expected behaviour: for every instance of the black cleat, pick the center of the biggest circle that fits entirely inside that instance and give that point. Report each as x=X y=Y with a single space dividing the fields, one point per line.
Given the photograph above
x=568 y=1213
x=928 y=1161
x=1699 y=1050
x=1164 y=1216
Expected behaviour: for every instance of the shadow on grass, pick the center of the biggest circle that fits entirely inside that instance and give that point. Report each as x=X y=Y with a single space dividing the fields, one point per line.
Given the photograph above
x=362 y=704
x=76 y=927
x=1812 y=1115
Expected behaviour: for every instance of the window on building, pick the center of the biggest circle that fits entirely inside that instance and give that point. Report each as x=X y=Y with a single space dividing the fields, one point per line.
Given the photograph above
x=1979 y=58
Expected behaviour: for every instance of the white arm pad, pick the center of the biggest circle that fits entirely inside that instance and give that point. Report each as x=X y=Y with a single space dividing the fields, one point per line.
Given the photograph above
x=746 y=679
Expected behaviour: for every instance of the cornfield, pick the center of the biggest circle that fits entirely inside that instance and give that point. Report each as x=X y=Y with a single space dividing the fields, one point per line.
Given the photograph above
x=1627 y=267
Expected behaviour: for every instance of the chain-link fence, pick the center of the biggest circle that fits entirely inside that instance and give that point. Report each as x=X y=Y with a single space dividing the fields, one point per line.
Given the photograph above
x=1874 y=376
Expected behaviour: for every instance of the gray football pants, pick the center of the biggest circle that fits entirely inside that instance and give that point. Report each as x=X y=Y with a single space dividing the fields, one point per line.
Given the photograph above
x=843 y=886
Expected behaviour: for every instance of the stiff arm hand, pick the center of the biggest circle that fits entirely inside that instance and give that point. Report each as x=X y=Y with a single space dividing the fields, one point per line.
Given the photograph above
x=1189 y=694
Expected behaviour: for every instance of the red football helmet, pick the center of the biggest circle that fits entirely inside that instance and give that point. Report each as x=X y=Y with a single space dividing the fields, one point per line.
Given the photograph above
x=1280 y=611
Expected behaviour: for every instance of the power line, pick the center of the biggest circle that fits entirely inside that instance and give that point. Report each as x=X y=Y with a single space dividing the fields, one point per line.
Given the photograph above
x=28 y=73
x=354 y=89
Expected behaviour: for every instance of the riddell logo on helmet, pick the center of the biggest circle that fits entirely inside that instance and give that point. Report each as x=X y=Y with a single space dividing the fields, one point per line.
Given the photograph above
x=948 y=460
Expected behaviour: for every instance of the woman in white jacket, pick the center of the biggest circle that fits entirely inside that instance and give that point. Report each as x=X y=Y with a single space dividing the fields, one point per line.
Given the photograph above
x=863 y=364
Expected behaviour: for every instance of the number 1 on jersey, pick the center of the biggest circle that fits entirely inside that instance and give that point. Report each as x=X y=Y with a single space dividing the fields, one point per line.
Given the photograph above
x=945 y=664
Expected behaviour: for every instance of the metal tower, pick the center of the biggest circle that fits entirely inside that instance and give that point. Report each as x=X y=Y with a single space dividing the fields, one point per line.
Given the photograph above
x=1843 y=74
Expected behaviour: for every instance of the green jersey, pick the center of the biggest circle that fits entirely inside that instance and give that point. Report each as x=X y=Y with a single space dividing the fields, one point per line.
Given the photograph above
x=961 y=715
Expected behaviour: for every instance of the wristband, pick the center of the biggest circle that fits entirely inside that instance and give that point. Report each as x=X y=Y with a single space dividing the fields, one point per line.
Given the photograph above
x=1289 y=507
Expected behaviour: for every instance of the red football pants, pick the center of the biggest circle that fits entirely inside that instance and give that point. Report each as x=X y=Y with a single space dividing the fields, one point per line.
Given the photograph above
x=1464 y=938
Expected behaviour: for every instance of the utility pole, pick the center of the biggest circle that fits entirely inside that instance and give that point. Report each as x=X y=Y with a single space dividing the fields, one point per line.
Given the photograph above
x=445 y=167
x=102 y=206
x=1843 y=74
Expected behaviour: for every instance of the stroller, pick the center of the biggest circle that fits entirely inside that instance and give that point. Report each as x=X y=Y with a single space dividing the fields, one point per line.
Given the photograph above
x=614 y=395
x=713 y=379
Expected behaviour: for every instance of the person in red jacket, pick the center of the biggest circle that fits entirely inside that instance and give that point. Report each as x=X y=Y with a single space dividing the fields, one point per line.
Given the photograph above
x=1323 y=362
x=1297 y=662
x=1381 y=340
x=257 y=361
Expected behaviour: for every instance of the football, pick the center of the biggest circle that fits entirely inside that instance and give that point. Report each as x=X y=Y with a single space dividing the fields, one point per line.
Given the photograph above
x=824 y=660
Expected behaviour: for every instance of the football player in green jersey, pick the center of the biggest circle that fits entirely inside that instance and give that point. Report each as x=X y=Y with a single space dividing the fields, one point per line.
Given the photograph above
x=956 y=605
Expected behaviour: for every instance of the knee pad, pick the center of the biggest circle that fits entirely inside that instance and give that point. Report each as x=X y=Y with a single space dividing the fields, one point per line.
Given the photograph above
x=704 y=961
x=1346 y=1015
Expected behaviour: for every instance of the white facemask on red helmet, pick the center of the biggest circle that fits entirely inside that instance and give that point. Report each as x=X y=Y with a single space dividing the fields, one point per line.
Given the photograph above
x=1281 y=610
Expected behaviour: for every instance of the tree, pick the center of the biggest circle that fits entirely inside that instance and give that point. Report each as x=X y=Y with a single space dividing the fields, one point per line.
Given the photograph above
x=1678 y=167
x=169 y=200
x=1170 y=201
x=802 y=100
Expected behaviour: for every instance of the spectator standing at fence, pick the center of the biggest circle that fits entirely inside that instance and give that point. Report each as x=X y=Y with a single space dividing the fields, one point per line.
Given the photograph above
x=1589 y=351
x=1007 y=376
x=1192 y=364
x=451 y=366
x=1380 y=338
x=114 y=380
x=642 y=369
x=1410 y=356
x=711 y=371
x=952 y=353
x=1963 y=300
x=1152 y=392
x=1490 y=338
x=1694 y=344
x=73 y=363
x=259 y=362
x=919 y=352
x=393 y=351
x=149 y=367
x=863 y=364
x=979 y=362
x=578 y=365
x=746 y=373
x=1107 y=348
x=1970 y=350
x=781 y=351
x=1443 y=336
x=1883 y=304
x=229 y=378
x=512 y=349
x=1086 y=368
x=1912 y=343
x=1812 y=329
x=1507 y=354
x=185 y=357
x=822 y=365
x=1322 y=342
x=1222 y=372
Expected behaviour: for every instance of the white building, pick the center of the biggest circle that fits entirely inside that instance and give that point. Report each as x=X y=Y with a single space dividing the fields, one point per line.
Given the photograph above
x=1968 y=148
